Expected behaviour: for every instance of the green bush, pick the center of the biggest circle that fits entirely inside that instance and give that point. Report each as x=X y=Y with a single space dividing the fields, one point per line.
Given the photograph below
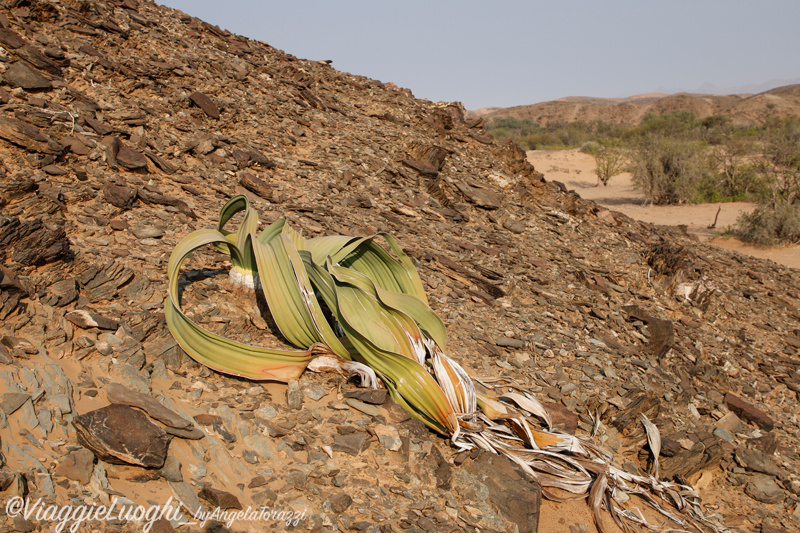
x=683 y=124
x=610 y=159
x=668 y=170
x=772 y=222
x=590 y=147
x=676 y=157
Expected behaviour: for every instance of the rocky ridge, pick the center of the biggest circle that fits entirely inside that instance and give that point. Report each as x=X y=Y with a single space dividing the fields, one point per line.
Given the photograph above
x=749 y=109
x=125 y=125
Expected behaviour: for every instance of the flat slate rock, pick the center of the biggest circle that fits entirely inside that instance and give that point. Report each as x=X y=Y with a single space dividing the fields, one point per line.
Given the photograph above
x=370 y=396
x=89 y=319
x=120 y=434
x=204 y=102
x=764 y=489
x=27 y=136
x=481 y=197
x=513 y=495
x=36 y=242
x=507 y=342
x=63 y=292
x=11 y=401
x=351 y=444
x=120 y=196
x=255 y=185
x=148 y=232
x=220 y=498
x=77 y=466
x=121 y=394
x=748 y=412
x=129 y=158
x=20 y=74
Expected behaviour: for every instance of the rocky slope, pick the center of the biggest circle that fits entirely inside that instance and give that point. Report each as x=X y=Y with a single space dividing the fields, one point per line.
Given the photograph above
x=741 y=108
x=125 y=125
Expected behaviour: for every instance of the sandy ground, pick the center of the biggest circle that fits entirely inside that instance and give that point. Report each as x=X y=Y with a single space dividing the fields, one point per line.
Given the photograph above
x=576 y=170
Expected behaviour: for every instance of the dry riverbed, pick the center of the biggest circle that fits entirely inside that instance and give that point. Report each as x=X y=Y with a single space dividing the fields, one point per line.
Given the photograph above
x=576 y=171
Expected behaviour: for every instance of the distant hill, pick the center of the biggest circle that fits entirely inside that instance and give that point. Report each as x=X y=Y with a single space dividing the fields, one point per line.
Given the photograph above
x=751 y=88
x=742 y=108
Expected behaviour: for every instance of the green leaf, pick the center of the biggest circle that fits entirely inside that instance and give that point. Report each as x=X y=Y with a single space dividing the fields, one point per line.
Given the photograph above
x=283 y=295
x=272 y=231
x=322 y=247
x=215 y=351
x=383 y=344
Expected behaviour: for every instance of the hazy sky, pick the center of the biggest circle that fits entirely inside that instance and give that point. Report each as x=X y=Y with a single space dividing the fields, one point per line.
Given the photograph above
x=516 y=52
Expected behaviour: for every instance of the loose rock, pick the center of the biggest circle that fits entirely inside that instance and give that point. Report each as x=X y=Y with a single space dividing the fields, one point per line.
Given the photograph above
x=120 y=434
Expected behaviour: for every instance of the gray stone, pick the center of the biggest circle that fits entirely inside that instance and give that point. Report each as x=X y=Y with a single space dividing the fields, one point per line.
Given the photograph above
x=315 y=392
x=297 y=479
x=27 y=415
x=250 y=456
x=389 y=437
x=367 y=409
x=720 y=433
x=267 y=412
x=62 y=402
x=507 y=342
x=11 y=401
x=294 y=395
x=197 y=471
x=370 y=396
x=187 y=496
x=229 y=417
x=171 y=471
x=755 y=461
x=148 y=232
x=261 y=445
x=764 y=489
x=123 y=395
x=351 y=444
x=158 y=370
x=132 y=377
x=45 y=418
x=45 y=482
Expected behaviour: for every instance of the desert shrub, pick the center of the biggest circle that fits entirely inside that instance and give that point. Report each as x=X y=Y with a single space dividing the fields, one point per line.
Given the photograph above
x=669 y=170
x=530 y=135
x=780 y=163
x=590 y=147
x=610 y=160
x=676 y=157
x=514 y=129
x=772 y=222
x=678 y=124
x=777 y=217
